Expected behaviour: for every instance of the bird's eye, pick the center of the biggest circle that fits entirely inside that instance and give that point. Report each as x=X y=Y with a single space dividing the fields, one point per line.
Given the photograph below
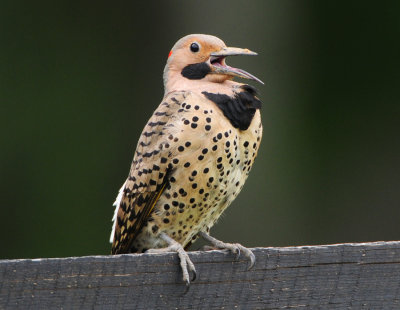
x=194 y=47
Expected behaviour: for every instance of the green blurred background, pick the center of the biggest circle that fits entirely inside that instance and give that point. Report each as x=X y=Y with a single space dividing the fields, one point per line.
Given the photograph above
x=78 y=80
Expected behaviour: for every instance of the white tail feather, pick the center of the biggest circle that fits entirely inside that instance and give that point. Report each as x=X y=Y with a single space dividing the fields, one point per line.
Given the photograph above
x=117 y=202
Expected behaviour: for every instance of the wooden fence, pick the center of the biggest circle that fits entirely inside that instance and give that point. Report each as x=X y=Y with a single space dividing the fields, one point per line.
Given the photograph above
x=342 y=276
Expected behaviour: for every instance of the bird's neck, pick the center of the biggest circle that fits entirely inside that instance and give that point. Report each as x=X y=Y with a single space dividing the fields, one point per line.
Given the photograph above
x=238 y=102
x=174 y=81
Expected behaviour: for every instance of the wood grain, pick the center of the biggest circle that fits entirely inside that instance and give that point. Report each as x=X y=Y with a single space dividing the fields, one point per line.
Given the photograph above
x=356 y=276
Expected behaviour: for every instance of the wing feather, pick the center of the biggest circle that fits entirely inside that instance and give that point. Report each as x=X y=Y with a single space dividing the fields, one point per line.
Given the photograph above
x=149 y=174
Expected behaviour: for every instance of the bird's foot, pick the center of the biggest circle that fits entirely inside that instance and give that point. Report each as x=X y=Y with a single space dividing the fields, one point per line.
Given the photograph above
x=233 y=247
x=185 y=261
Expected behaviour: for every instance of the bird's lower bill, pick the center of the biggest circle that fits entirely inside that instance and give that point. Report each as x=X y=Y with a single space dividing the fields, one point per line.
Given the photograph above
x=218 y=66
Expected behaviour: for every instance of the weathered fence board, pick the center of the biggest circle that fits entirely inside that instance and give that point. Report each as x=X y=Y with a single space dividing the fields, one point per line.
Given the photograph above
x=357 y=276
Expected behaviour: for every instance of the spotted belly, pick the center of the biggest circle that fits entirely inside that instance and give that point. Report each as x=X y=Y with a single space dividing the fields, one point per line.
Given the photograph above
x=203 y=185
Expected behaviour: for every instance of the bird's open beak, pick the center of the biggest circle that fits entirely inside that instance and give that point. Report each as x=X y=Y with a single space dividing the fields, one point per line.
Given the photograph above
x=218 y=65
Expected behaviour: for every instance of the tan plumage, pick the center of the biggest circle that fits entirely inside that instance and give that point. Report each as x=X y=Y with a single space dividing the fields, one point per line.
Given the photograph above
x=194 y=154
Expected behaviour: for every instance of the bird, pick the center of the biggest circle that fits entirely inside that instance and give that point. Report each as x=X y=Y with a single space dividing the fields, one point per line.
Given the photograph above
x=193 y=155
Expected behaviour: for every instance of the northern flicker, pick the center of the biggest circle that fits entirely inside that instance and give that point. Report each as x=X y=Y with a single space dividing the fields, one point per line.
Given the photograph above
x=193 y=156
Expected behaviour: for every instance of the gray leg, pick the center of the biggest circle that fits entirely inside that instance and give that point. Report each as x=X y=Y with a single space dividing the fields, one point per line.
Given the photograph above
x=233 y=247
x=185 y=261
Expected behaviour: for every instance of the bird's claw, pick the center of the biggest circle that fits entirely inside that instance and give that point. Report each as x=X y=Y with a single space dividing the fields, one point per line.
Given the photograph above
x=239 y=249
x=249 y=254
x=237 y=252
x=186 y=264
x=194 y=275
x=235 y=248
x=184 y=258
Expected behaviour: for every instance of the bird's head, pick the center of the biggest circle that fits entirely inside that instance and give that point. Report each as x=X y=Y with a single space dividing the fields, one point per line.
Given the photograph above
x=200 y=57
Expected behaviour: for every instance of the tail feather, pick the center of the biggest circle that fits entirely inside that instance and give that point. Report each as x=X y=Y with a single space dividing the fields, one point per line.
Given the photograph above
x=116 y=203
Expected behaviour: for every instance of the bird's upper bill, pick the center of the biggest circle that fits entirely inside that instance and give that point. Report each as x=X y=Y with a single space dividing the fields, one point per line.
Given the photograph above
x=218 y=65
